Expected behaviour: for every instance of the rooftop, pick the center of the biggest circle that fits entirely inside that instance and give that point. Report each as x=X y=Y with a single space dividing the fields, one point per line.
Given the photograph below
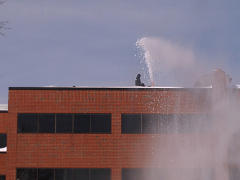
x=131 y=88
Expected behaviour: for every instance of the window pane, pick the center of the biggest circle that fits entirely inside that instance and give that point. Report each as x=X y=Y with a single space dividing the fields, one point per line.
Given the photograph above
x=64 y=123
x=68 y=174
x=201 y=122
x=63 y=174
x=152 y=174
x=2 y=177
x=149 y=123
x=132 y=174
x=131 y=123
x=27 y=123
x=46 y=123
x=81 y=174
x=3 y=140
x=45 y=174
x=234 y=173
x=26 y=174
x=82 y=123
x=101 y=123
x=185 y=123
x=167 y=124
x=100 y=174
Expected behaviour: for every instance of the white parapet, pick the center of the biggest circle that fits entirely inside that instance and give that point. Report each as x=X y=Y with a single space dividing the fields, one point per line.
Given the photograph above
x=3 y=107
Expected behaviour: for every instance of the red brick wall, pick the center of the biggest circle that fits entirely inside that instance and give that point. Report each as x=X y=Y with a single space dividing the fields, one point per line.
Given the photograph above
x=3 y=122
x=114 y=150
x=3 y=129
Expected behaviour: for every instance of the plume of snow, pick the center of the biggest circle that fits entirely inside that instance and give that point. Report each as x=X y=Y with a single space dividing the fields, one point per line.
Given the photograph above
x=164 y=59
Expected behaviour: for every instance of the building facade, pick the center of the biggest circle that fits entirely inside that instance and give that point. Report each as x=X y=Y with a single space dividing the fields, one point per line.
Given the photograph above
x=101 y=133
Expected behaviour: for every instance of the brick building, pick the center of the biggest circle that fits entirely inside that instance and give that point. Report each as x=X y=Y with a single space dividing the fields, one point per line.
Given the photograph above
x=69 y=133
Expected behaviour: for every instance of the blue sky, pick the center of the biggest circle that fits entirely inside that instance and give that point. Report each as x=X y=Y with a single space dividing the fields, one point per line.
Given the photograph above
x=92 y=43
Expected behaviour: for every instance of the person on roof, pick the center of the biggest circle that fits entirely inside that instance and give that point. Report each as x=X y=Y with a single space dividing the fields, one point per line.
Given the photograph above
x=138 y=81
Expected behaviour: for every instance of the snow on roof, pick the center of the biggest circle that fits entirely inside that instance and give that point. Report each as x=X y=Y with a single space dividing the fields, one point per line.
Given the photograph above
x=3 y=107
x=127 y=87
x=3 y=149
x=108 y=88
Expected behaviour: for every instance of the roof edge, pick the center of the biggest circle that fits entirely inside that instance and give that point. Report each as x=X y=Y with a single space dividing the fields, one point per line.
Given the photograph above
x=130 y=88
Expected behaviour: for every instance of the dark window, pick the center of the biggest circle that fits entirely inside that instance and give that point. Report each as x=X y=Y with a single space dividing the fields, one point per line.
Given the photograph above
x=149 y=123
x=186 y=123
x=63 y=174
x=27 y=123
x=26 y=174
x=162 y=173
x=163 y=123
x=68 y=174
x=101 y=123
x=64 y=123
x=82 y=123
x=132 y=174
x=142 y=174
x=45 y=174
x=81 y=174
x=202 y=122
x=46 y=123
x=2 y=177
x=167 y=123
x=131 y=123
x=153 y=174
x=100 y=174
x=3 y=143
x=234 y=173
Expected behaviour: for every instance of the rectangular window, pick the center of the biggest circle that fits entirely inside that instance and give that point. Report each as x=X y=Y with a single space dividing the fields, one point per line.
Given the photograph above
x=92 y=123
x=68 y=174
x=149 y=123
x=82 y=123
x=3 y=143
x=64 y=123
x=131 y=123
x=167 y=123
x=82 y=174
x=26 y=174
x=186 y=123
x=101 y=123
x=63 y=174
x=2 y=177
x=27 y=123
x=165 y=174
x=132 y=174
x=100 y=174
x=163 y=123
x=45 y=174
x=234 y=173
x=46 y=123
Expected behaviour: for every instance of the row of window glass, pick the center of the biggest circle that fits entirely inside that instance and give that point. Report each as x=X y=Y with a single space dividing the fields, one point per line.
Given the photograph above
x=161 y=173
x=163 y=123
x=101 y=123
x=64 y=123
x=105 y=174
x=63 y=174
x=2 y=177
